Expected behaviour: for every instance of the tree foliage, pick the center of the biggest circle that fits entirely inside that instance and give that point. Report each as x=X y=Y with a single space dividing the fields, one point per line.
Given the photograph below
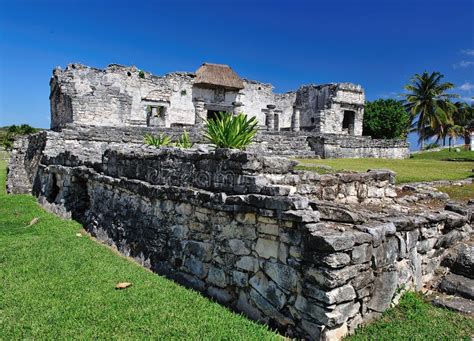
x=9 y=133
x=386 y=119
x=429 y=105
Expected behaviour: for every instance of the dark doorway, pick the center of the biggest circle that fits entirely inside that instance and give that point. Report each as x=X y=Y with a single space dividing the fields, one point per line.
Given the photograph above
x=348 y=122
x=212 y=114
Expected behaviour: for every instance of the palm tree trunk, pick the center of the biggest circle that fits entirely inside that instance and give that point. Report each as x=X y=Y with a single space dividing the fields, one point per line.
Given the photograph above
x=450 y=140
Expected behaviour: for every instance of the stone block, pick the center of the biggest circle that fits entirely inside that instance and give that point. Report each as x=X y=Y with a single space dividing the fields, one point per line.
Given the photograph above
x=240 y=279
x=330 y=297
x=248 y=264
x=217 y=277
x=268 y=290
x=285 y=276
x=267 y=248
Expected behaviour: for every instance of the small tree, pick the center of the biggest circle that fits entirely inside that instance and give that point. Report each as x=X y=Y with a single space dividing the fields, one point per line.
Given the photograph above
x=386 y=119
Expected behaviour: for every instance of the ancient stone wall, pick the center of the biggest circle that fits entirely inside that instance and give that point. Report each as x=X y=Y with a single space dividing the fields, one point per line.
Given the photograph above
x=334 y=146
x=251 y=232
x=323 y=108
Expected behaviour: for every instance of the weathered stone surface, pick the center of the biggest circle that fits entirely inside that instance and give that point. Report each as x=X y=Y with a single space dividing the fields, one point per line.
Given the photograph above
x=379 y=231
x=324 y=238
x=335 y=296
x=458 y=304
x=457 y=285
x=217 y=277
x=384 y=287
x=285 y=276
x=362 y=253
x=268 y=290
x=267 y=248
x=247 y=263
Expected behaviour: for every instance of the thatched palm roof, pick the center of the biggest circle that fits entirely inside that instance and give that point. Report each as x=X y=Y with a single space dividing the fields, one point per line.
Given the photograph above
x=218 y=75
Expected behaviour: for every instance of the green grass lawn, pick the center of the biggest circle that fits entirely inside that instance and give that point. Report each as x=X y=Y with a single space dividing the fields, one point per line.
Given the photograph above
x=416 y=319
x=428 y=166
x=55 y=285
x=460 y=193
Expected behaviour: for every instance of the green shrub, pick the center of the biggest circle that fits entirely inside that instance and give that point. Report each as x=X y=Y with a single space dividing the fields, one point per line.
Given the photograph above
x=141 y=74
x=184 y=141
x=228 y=131
x=386 y=119
x=161 y=140
x=9 y=134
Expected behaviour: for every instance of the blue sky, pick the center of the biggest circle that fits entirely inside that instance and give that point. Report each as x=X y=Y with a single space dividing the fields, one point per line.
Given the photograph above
x=378 y=44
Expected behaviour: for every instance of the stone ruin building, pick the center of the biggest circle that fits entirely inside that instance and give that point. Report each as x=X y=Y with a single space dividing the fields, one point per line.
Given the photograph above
x=315 y=120
x=312 y=255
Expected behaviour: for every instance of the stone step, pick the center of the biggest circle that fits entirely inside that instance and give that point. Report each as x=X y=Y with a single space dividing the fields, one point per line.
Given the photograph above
x=457 y=285
x=459 y=304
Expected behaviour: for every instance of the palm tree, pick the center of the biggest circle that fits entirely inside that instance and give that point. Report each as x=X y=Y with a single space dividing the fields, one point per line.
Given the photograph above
x=463 y=115
x=428 y=103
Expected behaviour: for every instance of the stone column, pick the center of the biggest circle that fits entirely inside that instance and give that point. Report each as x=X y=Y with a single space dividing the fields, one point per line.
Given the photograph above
x=270 y=117
x=277 y=120
x=295 y=118
x=237 y=108
x=199 y=116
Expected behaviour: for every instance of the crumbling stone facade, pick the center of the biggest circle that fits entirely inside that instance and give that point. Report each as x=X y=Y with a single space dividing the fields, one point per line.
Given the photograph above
x=122 y=97
x=312 y=255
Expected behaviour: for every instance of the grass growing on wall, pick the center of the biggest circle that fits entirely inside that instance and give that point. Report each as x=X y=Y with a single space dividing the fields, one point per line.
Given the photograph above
x=55 y=285
x=428 y=166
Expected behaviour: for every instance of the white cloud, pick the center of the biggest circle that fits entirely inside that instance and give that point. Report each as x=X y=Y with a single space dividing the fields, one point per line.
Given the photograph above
x=466 y=87
x=469 y=52
x=463 y=64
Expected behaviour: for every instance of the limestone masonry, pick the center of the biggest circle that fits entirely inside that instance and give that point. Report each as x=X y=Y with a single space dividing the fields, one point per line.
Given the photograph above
x=312 y=255
x=325 y=120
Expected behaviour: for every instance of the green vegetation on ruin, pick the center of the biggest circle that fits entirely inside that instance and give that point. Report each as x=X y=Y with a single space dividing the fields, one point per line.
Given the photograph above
x=426 y=166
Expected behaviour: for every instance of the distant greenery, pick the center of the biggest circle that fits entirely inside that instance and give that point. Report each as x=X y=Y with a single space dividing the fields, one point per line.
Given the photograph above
x=426 y=166
x=229 y=131
x=158 y=141
x=56 y=285
x=416 y=319
x=8 y=134
x=386 y=119
x=141 y=74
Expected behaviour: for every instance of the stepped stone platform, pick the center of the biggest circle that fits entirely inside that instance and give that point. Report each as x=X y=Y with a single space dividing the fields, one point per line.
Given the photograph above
x=312 y=255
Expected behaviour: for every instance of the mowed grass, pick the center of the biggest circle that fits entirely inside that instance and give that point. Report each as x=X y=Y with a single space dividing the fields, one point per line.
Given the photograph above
x=459 y=193
x=55 y=285
x=416 y=319
x=428 y=166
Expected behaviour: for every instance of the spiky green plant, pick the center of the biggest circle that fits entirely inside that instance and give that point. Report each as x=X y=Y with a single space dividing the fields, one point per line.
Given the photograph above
x=229 y=131
x=158 y=141
x=184 y=141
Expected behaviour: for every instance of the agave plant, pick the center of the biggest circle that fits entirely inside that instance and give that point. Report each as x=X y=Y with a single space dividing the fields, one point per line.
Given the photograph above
x=161 y=140
x=228 y=131
x=184 y=141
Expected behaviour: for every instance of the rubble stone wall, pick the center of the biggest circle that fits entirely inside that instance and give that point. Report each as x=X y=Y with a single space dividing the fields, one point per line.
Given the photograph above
x=240 y=228
x=335 y=146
